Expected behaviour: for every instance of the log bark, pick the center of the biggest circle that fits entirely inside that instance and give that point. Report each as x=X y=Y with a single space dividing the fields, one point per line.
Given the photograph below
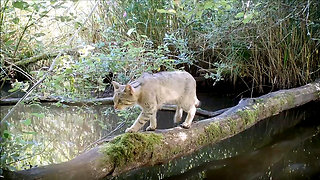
x=150 y=148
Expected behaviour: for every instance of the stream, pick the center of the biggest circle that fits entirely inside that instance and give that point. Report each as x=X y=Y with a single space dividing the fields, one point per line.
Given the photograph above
x=43 y=134
x=285 y=146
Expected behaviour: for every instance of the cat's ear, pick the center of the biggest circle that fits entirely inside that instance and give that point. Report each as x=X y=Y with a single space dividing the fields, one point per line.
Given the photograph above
x=115 y=85
x=129 y=89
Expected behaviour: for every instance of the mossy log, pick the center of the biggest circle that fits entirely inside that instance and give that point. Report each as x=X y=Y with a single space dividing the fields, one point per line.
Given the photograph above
x=134 y=150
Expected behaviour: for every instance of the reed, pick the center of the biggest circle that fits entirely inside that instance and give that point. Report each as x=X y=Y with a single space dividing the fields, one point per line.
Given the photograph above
x=278 y=46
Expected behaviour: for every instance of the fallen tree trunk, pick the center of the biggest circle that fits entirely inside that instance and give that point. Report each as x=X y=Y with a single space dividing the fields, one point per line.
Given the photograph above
x=133 y=150
x=44 y=56
x=67 y=101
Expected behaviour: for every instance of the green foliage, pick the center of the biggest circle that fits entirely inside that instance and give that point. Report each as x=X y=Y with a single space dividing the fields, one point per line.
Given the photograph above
x=18 y=40
x=41 y=135
x=264 y=41
x=16 y=86
x=17 y=146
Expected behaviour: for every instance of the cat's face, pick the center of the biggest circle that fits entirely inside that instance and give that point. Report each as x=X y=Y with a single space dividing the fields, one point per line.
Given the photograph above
x=124 y=96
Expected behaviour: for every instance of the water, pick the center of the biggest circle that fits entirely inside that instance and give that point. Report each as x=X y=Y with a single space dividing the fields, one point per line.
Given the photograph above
x=286 y=146
x=49 y=134
x=43 y=134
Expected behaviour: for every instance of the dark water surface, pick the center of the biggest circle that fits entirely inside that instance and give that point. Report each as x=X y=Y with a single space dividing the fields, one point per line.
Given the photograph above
x=286 y=146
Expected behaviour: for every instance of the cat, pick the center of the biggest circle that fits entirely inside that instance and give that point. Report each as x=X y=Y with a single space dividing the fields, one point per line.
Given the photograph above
x=151 y=91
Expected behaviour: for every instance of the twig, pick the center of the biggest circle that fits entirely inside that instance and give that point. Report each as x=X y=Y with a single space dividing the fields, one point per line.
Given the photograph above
x=104 y=137
x=21 y=71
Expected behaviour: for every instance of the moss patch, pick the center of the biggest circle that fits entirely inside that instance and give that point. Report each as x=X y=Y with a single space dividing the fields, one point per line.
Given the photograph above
x=288 y=99
x=249 y=115
x=130 y=146
x=233 y=126
x=291 y=99
x=213 y=132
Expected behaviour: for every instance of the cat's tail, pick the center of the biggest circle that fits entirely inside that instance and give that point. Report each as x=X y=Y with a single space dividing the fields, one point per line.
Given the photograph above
x=198 y=103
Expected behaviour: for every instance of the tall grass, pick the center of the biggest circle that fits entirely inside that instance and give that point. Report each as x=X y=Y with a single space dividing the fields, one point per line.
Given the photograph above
x=284 y=48
x=264 y=43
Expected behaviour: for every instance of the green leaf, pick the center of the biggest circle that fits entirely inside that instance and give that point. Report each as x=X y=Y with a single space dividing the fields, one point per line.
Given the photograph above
x=247 y=18
x=239 y=15
x=39 y=115
x=12 y=32
x=26 y=122
x=68 y=71
x=16 y=86
x=20 y=4
x=6 y=134
x=8 y=43
x=127 y=43
x=58 y=104
x=199 y=14
x=172 y=11
x=131 y=31
x=53 y=1
x=162 y=11
x=77 y=25
x=208 y=5
x=144 y=36
x=31 y=132
x=15 y=20
x=39 y=34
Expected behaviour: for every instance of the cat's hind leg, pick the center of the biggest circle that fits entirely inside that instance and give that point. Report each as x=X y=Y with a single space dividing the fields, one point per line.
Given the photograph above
x=189 y=118
x=178 y=115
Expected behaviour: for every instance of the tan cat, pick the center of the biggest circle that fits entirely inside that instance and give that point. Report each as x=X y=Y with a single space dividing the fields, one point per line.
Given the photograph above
x=151 y=91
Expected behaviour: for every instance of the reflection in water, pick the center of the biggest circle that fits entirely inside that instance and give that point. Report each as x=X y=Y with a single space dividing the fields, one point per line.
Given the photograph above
x=47 y=134
x=286 y=146
x=54 y=134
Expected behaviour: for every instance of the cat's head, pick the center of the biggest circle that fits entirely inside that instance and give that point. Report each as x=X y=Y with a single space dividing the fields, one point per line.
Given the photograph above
x=124 y=96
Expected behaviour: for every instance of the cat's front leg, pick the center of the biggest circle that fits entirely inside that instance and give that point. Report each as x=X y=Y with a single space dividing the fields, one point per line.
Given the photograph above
x=141 y=120
x=138 y=123
x=153 y=122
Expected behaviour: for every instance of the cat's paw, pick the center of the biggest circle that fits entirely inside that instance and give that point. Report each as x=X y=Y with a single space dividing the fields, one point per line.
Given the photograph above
x=129 y=130
x=185 y=125
x=149 y=128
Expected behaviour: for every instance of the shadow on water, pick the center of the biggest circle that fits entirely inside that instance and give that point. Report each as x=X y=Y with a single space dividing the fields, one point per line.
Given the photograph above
x=208 y=101
x=286 y=146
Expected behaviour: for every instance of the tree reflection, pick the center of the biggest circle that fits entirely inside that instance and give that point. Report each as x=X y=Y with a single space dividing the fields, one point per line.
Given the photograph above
x=41 y=135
